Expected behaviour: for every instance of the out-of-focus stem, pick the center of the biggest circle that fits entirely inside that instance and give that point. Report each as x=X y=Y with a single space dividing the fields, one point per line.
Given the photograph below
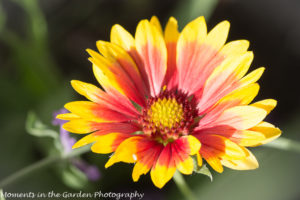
x=48 y=161
x=183 y=187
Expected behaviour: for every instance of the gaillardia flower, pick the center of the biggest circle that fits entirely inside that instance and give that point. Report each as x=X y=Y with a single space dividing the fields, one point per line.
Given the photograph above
x=170 y=97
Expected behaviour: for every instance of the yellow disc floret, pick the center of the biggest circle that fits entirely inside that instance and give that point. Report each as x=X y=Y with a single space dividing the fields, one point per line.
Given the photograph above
x=168 y=116
x=165 y=112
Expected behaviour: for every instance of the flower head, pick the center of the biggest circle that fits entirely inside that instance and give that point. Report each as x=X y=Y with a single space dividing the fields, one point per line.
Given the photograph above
x=171 y=95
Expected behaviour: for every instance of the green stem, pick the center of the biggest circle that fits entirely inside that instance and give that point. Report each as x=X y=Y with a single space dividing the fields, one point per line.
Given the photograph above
x=183 y=187
x=285 y=144
x=40 y=165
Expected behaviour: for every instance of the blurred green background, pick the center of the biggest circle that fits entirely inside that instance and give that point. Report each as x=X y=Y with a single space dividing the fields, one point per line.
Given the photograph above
x=42 y=48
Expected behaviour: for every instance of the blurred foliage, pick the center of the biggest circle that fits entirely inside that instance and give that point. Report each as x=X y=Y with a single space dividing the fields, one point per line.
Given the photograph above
x=31 y=56
x=66 y=171
x=73 y=177
x=1 y=195
x=42 y=48
x=38 y=129
x=195 y=8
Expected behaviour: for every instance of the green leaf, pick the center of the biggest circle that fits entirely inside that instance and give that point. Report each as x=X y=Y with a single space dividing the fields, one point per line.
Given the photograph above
x=1 y=195
x=204 y=170
x=201 y=170
x=36 y=128
x=74 y=178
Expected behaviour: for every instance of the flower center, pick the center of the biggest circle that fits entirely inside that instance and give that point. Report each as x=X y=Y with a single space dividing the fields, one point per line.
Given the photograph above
x=165 y=112
x=168 y=116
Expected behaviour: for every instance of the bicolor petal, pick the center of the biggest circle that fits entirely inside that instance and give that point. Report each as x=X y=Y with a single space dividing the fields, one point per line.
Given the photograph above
x=152 y=49
x=171 y=35
x=95 y=112
x=241 y=117
x=248 y=163
x=126 y=152
x=111 y=75
x=267 y=104
x=114 y=101
x=269 y=131
x=164 y=168
x=109 y=142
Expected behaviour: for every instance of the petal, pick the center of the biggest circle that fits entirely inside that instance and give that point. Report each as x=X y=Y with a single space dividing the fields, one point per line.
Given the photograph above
x=164 y=168
x=79 y=126
x=211 y=115
x=188 y=145
x=103 y=71
x=67 y=116
x=187 y=166
x=195 y=31
x=267 y=104
x=248 y=138
x=216 y=38
x=109 y=142
x=95 y=112
x=82 y=108
x=113 y=101
x=126 y=151
x=124 y=39
x=211 y=159
x=181 y=151
x=147 y=156
x=90 y=91
x=231 y=70
x=252 y=76
x=155 y=22
x=200 y=51
x=194 y=144
x=235 y=48
x=223 y=147
x=247 y=163
x=121 y=37
x=193 y=56
x=241 y=137
x=224 y=80
x=223 y=130
x=152 y=49
x=171 y=35
x=105 y=128
x=268 y=130
x=241 y=117
x=116 y=54
x=244 y=64
x=241 y=96
x=83 y=126
x=110 y=74
x=85 y=140
x=199 y=159
x=140 y=169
